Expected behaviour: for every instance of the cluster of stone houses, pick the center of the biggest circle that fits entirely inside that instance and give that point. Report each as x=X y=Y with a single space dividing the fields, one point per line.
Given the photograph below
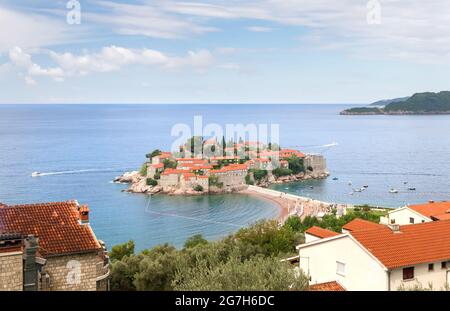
x=409 y=248
x=50 y=247
x=194 y=171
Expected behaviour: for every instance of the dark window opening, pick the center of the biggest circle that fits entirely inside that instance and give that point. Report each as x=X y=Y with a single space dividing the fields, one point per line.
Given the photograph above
x=431 y=267
x=411 y=220
x=408 y=273
x=444 y=265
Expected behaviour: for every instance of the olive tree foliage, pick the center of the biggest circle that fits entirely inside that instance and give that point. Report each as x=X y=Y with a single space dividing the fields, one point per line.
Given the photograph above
x=247 y=260
x=256 y=273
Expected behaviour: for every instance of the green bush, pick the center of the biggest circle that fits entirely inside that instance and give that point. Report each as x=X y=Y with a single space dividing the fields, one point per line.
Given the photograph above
x=213 y=180
x=169 y=163
x=143 y=170
x=157 y=175
x=278 y=172
x=151 y=182
x=259 y=174
x=248 y=180
x=296 y=164
x=122 y=250
x=247 y=260
x=198 y=188
x=194 y=241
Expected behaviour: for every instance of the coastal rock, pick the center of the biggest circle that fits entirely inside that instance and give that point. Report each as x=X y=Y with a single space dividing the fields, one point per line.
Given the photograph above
x=128 y=177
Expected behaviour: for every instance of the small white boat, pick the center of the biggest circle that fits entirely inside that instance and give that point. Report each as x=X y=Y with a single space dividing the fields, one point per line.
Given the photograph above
x=357 y=190
x=393 y=190
x=35 y=174
x=350 y=183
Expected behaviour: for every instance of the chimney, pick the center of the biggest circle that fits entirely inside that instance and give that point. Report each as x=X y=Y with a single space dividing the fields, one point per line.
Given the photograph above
x=30 y=270
x=431 y=201
x=83 y=214
x=394 y=227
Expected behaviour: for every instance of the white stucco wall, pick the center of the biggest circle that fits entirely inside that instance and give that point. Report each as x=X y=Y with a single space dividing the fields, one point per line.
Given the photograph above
x=362 y=271
x=402 y=215
x=310 y=238
x=437 y=277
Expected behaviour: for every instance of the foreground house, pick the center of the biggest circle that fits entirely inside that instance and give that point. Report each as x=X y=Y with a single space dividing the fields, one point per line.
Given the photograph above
x=50 y=246
x=420 y=213
x=379 y=257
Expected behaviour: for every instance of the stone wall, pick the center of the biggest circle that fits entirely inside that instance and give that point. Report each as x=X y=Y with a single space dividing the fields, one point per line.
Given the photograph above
x=317 y=163
x=11 y=271
x=167 y=181
x=73 y=272
x=232 y=178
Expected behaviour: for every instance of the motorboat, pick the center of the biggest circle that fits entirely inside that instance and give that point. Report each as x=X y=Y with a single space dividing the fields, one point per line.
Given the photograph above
x=357 y=190
x=35 y=174
x=335 y=178
x=393 y=190
x=365 y=186
x=412 y=188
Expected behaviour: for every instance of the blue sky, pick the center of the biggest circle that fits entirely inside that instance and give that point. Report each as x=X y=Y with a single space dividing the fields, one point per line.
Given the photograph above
x=248 y=51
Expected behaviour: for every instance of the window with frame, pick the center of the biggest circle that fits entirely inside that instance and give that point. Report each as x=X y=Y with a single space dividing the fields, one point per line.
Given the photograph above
x=408 y=273
x=340 y=268
x=444 y=265
x=392 y=221
x=411 y=220
x=431 y=267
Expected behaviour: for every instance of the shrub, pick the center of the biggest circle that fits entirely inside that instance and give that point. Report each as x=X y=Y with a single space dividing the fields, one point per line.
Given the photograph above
x=122 y=250
x=259 y=174
x=157 y=175
x=151 y=182
x=198 y=188
x=143 y=170
x=169 y=163
x=281 y=172
x=194 y=241
x=248 y=180
x=296 y=164
x=213 y=180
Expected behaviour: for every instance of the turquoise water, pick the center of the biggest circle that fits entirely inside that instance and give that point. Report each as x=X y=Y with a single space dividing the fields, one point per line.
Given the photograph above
x=87 y=146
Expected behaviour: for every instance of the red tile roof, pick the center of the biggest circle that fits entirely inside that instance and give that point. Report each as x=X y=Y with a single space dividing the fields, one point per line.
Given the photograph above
x=359 y=224
x=56 y=224
x=320 y=232
x=159 y=165
x=327 y=287
x=414 y=244
x=229 y=168
x=289 y=152
x=432 y=209
x=171 y=171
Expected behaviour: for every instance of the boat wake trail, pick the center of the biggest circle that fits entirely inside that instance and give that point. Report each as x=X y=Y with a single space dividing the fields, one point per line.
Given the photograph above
x=39 y=174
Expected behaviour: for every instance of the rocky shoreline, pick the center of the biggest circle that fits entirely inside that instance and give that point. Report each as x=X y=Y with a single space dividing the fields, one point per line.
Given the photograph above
x=138 y=184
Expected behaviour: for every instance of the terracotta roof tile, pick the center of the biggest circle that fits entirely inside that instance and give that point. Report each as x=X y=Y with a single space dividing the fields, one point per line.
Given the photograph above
x=359 y=224
x=414 y=244
x=327 y=287
x=320 y=232
x=56 y=224
x=432 y=209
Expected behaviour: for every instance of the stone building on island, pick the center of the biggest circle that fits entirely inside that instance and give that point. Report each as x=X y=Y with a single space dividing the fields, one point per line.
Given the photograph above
x=50 y=247
x=223 y=168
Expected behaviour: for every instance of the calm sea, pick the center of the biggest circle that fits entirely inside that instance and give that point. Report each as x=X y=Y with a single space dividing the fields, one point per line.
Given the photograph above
x=84 y=147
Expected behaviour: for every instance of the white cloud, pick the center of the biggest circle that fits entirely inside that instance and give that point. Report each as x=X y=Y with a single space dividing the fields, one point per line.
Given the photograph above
x=23 y=62
x=145 y=19
x=416 y=30
x=30 y=30
x=109 y=59
x=259 y=29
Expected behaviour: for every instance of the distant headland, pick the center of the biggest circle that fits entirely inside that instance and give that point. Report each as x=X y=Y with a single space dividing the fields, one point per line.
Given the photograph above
x=418 y=104
x=220 y=167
